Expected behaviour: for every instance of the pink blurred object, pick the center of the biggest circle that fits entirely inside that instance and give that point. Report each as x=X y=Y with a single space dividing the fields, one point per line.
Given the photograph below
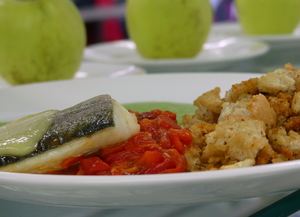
x=110 y=29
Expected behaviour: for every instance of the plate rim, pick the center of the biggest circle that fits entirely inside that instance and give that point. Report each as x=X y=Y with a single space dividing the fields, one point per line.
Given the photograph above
x=267 y=38
x=90 y=50
x=153 y=178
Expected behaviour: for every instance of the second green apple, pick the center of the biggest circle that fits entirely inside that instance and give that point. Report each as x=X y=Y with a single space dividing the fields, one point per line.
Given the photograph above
x=268 y=17
x=168 y=28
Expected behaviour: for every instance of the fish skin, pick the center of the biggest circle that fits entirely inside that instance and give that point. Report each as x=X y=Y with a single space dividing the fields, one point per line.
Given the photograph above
x=78 y=130
x=80 y=120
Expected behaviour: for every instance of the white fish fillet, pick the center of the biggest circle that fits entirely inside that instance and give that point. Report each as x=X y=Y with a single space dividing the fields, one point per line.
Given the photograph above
x=125 y=126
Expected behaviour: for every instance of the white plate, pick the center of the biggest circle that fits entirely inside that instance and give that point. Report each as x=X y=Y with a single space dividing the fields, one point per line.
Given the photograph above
x=233 y=29
x=92 y=69
x=139 y=190
x=217 y=53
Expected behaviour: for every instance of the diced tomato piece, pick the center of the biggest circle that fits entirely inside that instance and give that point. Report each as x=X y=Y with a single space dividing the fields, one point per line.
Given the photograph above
x=94 y=164
x=149 y=126
x=122 y=156
x=167 y=123
x=179 y=161
x=175 y=140
x=112 y=149
x=171 y=115
x=71 y=161
x=143 y=138
x=185 y=136
x=164 y=138
x=149 y=159
x=160 y=168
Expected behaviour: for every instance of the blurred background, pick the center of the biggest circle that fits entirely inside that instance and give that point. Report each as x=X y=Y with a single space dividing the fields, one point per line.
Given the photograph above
x=104 y=19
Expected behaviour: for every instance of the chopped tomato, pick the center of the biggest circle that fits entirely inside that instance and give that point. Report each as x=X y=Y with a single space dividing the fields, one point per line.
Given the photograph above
x=71 y=161
x=92 y=165
x=179 y=162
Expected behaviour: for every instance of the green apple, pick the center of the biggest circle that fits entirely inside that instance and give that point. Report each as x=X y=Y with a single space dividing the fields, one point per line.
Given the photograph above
x=40 y=40
x=168 y=28
x=263 y=17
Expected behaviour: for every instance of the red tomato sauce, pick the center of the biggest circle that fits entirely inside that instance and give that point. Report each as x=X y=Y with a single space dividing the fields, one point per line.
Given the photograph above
x=158 y=148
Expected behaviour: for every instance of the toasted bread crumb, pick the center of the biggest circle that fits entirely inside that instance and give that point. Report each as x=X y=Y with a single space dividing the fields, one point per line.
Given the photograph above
x=256 y=123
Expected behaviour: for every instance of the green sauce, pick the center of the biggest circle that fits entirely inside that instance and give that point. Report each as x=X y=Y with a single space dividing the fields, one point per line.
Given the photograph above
x=180 y=109
x=3 y=123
